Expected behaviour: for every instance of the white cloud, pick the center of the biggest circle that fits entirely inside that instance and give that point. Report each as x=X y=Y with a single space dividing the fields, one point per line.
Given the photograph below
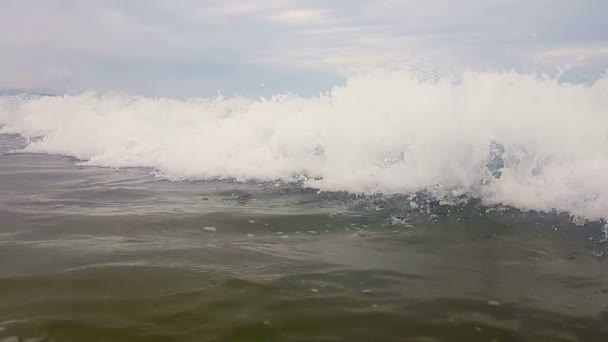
x=301 y=16
x=241 y=8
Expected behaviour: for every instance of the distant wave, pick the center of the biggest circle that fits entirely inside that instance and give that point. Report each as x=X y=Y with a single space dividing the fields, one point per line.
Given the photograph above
x=385 y=131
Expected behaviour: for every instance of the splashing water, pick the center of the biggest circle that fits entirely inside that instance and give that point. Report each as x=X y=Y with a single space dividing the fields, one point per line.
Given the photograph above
x=385 y=131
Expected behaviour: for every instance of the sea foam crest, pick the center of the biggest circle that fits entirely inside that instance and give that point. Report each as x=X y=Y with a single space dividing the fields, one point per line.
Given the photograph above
x=385 y=131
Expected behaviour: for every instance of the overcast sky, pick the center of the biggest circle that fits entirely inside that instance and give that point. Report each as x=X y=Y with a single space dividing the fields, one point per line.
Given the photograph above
x=184 y=48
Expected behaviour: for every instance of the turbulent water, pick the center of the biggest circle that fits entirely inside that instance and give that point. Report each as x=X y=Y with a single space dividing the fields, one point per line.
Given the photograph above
x=388 y=209
x=382 y=132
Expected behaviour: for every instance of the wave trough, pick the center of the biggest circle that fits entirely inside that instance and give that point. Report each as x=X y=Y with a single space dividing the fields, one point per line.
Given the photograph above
x=385 y=131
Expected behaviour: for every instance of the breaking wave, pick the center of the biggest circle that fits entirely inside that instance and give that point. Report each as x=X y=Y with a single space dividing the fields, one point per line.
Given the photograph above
x=507 y=138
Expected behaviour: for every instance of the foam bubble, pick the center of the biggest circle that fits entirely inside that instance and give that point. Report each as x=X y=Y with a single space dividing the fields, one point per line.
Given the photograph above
x=382 y=132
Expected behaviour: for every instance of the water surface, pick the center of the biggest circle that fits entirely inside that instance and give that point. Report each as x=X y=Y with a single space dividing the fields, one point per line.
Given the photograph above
x=94 y=254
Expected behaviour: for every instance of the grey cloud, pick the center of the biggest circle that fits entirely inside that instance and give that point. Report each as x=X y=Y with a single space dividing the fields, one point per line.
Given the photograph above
x=217 y=44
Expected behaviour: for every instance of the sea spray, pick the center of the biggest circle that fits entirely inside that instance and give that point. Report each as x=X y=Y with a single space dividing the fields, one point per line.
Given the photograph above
x=385 y=131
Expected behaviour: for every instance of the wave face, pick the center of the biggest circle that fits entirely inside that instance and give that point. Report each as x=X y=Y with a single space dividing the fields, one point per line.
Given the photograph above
x=381 y=132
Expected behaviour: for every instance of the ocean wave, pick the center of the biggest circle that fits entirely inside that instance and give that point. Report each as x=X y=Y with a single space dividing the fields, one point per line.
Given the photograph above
x=506 y=138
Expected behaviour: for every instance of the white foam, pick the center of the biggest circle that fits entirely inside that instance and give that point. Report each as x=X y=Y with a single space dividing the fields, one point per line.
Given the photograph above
x=383 y=131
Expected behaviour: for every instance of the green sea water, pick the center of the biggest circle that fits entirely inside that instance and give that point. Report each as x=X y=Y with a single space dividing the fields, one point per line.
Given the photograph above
x=90 y=254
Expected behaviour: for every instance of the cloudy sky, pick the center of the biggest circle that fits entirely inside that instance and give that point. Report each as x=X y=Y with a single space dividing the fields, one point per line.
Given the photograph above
x=184 y=48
